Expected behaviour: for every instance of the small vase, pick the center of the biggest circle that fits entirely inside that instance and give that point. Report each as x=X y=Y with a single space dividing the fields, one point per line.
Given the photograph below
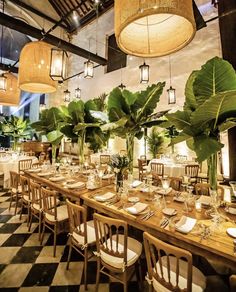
x=119 y=181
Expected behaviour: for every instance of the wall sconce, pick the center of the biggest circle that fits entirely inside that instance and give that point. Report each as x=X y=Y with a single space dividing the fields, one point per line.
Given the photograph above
x=3 y=83
x=78 y=93
x=58 y=64
x=66 y=96
x=144 y=73
x=88 y=69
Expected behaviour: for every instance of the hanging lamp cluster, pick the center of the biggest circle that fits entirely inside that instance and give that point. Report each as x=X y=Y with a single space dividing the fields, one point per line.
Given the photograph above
x=153 y=28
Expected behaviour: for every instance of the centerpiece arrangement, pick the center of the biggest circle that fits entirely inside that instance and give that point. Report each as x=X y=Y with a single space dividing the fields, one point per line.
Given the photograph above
x=120 y=166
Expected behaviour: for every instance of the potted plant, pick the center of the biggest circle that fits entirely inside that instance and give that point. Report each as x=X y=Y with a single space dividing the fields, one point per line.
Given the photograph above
x=129 y=113
x=119 y=165
x=16 y=128
x=210 y=108
x=156 y=141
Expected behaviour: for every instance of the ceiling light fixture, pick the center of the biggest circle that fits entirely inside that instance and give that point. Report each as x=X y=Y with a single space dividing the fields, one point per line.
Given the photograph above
x=58 y=63
x=66 y=96
x=171 y=90
x=144 y=73
x=88 y=67
x=153 y=28
x=78 y=93
x=11 y=95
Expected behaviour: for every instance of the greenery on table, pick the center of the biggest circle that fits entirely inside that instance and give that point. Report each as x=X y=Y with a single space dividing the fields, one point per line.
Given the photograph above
x=49 y=124
x=210 y=108
x=16 y=128
x=129 y=113
x=156 y=142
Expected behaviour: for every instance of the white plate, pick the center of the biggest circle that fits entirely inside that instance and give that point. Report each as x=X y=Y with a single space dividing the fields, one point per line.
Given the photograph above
x=161 y=191
x=231 y=210
x=231 y=232
x=169 y=211
x=136 y=183
x=185 y=224
x=136 y=209
x=105 y=197
x=57 y=178
x=133 y=199
x=76 y=185
x=179 y=199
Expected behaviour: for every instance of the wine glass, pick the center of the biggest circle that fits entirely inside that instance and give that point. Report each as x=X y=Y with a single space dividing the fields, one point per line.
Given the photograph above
x=100 y=175
x=165 y=185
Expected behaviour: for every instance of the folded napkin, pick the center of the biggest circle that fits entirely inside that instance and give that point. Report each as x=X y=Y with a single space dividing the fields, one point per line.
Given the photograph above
x=231 y=210
x=34 y=170
x=107 y=176
x=56 y=178
x=44 y=173
x=136 y=183
x=164 y=192
x=77 y=185
x=185 y=224
x=179 y=198
x=105 y=197
x=137 y=208
x=205 y=200
x=169 y=211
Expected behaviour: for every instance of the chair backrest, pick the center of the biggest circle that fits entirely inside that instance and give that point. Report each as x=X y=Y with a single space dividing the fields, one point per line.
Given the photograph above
x=24 y=164
x=175 y=183
x=162 y=259
x=143 y=157
x=105 y=159
x=157 y=168
x=191 y=170
x=42 y=157
x=141 y=164
x=77 y=219
x=49 y=202
x=14 y=179
x=203 y=189
x=108 y=240
x=36 y=194
x=25 y=186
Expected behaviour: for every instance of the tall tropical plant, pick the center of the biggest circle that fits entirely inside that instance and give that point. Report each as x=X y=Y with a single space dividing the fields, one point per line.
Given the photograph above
x=156 y=141
x=49 y=124
x=129 y=113
x=81 y=127
x=210 y=108
x=16 y=128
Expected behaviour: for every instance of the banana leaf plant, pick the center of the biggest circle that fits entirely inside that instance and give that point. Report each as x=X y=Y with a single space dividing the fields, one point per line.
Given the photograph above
x=210 y=108
x=16 y=128
x=130 y=113
x=49 y=124
x=156 y=142
x=81 y=127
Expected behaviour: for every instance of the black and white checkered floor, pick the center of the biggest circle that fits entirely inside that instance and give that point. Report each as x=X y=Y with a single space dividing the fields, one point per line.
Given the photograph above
x=25 y=265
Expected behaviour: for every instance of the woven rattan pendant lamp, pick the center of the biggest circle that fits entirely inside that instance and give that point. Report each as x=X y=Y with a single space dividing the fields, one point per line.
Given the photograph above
x=153 y=28
x=11 y=96
x=34 y=68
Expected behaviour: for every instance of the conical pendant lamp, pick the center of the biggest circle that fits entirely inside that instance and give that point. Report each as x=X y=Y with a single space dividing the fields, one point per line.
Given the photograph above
x=34 y=68
x=153 y=28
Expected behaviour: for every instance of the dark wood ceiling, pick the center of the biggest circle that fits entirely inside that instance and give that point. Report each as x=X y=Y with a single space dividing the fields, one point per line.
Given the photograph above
x=85 y=9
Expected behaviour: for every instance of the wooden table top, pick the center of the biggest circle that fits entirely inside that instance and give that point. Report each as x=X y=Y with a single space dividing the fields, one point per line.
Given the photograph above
x=218 y=247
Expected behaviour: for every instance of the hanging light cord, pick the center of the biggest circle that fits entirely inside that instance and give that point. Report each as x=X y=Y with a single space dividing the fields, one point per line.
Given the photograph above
x=3 y=2
x=170 y=69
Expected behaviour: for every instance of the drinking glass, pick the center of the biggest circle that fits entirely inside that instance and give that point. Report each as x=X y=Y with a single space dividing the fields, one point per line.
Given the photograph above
x=165 y=184
x=233 y=187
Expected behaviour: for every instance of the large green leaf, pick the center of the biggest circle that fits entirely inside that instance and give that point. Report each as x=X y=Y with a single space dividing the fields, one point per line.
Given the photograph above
x=102 y=116
x=112 y=126
x=83 y=126
x=180 y=138
x=180 y=119
x=118 y=102
x=76 y=111
x=190 y=100
x=215 y=76
x=228 y=124
x=55 y=137
x=206 y=146
x=221 y=105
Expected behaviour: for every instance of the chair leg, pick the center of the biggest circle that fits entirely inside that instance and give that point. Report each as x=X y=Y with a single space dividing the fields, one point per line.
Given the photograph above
x=43 y=232
x=125 y=283
x=11 y=201
x=40 y=224
x=69 y=256
x=17 y=199
x=98 y=274
x=85 y=267
x=28 y=213
x=55 y=240
x=21 y=211
x=30 y=221
x=139 y=274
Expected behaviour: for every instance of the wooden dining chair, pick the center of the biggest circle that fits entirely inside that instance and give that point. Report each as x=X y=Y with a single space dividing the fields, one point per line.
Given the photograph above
x=36 y=205
x=203 y=189
x=157 y=169
x=170 y=268
x=142 y=171
x=82 y=234
x=15 y=189
x=175 y=183
x=191 y=170
x=117 y=254
x=104 y=159
x=24 y=164
x=25 y=196
x=143 y=157
x=54 y=216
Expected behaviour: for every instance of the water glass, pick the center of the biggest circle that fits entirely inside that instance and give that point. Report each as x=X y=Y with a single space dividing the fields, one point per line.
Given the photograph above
x=233 y=187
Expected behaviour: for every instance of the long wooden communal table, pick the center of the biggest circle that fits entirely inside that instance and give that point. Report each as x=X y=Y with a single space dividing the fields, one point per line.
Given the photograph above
x=218 y=247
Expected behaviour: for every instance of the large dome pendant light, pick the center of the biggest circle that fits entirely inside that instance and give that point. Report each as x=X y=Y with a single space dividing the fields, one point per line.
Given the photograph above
x=153 y=28
x=34 y=68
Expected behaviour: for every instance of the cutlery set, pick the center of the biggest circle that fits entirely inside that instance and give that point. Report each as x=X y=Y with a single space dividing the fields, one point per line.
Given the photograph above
x=164 y=222
x=146 y=216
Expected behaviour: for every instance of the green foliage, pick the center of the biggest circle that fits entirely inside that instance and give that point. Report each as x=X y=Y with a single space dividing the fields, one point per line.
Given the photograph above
x=210 y=107
x=119 y=163
x=156 y=141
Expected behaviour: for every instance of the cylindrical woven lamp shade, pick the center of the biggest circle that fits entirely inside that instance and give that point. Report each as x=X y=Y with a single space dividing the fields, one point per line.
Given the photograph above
x=34 y=68
x=11 y=96
x=153 y=28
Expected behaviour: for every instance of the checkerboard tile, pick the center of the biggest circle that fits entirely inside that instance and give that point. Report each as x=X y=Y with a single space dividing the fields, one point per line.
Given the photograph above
x=26 y=265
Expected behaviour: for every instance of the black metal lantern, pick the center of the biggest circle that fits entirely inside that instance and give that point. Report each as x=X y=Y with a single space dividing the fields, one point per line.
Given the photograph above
x=66 y=96
x=58 y=64
x=171 y=95
x=144 y=73
x=78 y=93
x=88 y=69
x=122 y=86
x=3 y=83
